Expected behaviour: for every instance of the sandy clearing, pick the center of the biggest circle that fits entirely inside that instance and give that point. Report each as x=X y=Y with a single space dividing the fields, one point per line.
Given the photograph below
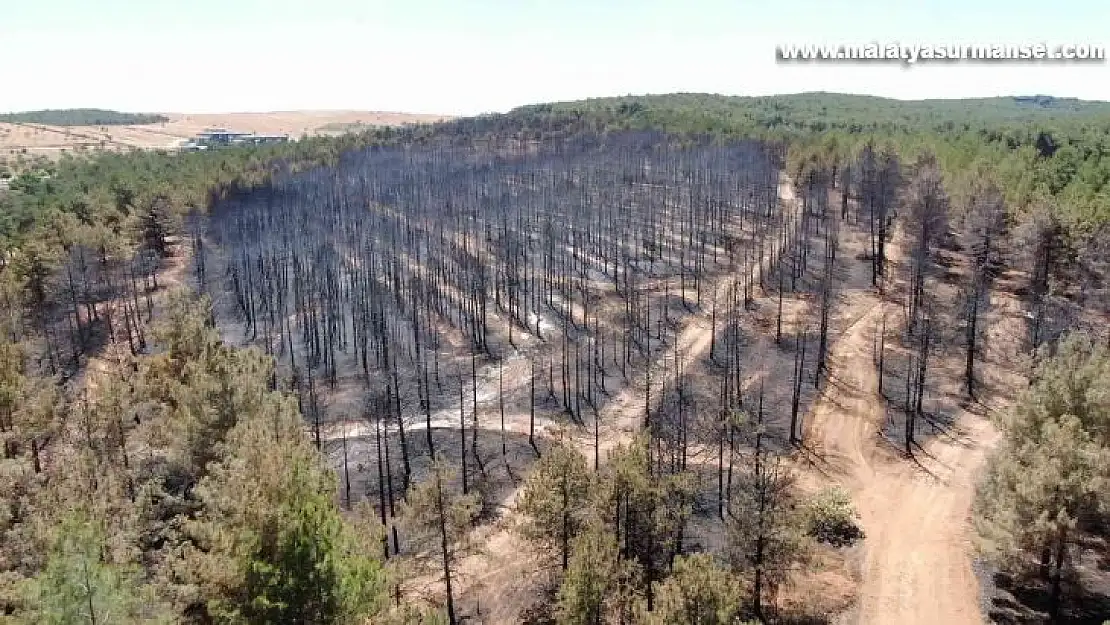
x=293 y=123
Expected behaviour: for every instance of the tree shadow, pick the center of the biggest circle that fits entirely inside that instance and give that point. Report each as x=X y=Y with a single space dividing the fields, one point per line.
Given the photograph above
x=1019 y=601
x=813 y=458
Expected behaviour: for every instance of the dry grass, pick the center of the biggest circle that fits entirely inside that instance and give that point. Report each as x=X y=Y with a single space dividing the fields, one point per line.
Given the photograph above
x=53 y=141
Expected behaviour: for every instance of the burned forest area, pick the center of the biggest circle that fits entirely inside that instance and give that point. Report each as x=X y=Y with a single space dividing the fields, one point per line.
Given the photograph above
x=477 y=305
x=451 y=314
x=472 y=374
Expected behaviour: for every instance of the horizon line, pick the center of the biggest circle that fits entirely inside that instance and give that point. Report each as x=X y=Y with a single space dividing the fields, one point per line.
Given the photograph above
x=556 y=101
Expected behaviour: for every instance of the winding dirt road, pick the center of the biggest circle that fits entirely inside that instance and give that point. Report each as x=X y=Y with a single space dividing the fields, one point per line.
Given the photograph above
x=916 y=560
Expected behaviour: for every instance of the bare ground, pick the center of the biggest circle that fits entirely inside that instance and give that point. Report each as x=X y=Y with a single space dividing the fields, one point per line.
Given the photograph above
x=916 y=561
x=53 y=141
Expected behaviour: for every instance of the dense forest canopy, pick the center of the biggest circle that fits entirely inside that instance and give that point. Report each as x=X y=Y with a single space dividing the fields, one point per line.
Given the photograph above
x=816 y=112
x=81 y=117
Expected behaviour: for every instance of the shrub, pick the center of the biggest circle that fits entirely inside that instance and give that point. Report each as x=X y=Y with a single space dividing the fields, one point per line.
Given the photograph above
x=831 y=518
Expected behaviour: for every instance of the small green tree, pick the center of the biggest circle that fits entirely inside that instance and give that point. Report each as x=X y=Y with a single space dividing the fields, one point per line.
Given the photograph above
x=555 y=500
x=698 y=592
x=646 y=512
x=79 y=587
x=1033 y=496
x=1051 y=467
x=831 y=518
x=1074 y=380
x=598 y=585
x=310 y=570
x=765 y=532
x=273 y=546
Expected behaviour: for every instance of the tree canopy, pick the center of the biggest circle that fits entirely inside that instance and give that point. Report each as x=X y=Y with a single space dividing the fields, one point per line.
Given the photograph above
x=82 y=117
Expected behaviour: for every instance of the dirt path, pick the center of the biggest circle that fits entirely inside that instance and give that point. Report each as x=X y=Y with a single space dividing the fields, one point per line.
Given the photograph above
x=916 y=562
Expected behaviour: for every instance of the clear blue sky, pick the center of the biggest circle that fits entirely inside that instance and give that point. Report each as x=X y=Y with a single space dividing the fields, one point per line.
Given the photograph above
x=460 y=57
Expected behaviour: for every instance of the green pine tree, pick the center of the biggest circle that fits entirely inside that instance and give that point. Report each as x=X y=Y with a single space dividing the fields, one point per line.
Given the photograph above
x=555 y=500
x=698 y=592
x=79 y=587
x=599 y=586
x=1051 y=468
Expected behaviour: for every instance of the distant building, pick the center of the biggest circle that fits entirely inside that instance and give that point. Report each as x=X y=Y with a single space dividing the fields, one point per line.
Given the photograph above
x=216 y=137
x=219 y=136
x=266 y=138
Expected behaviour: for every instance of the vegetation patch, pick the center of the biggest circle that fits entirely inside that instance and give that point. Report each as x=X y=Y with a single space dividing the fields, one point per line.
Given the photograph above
x=831 y=518
x=82 y=117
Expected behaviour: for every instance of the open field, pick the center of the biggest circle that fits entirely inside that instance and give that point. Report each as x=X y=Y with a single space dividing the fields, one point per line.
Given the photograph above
x=32 y=139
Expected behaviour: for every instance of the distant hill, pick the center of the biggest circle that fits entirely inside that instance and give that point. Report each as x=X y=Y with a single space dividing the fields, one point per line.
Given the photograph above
x=82 y=117
x=805 y=113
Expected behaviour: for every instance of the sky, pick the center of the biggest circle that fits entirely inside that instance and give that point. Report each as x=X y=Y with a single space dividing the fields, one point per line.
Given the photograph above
x=470 y=56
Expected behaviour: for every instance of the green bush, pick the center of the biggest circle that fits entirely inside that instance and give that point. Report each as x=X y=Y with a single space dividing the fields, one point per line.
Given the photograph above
x=831 y=518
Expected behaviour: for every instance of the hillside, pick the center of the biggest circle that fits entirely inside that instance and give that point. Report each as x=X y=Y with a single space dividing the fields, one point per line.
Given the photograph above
x=818 y=112
x=654 y=360
x=1038 y=149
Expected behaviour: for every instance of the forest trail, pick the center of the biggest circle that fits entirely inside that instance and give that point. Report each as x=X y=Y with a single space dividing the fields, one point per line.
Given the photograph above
x=916 y=562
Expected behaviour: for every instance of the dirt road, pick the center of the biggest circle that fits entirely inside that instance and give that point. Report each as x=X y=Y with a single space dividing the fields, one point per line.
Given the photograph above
x=916 y=563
